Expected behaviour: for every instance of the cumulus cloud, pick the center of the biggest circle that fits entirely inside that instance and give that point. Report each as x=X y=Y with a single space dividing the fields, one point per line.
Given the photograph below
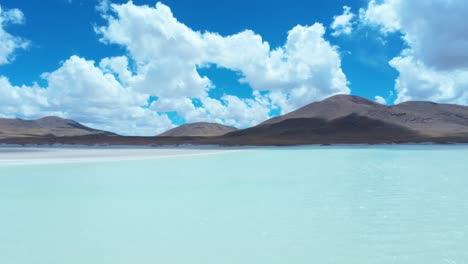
x=168 y=53
x=435 y=64
x=231 y=109
x=117 y=66
x=380 y=100
x=9 y=43
x=81 y=91
x=20 y=101
x=382 y=14
x=161 y=63
x=419 y=82
x=342 y=24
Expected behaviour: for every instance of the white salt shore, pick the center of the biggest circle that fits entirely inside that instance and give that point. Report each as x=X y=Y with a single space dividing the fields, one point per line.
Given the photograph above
x=39 y=155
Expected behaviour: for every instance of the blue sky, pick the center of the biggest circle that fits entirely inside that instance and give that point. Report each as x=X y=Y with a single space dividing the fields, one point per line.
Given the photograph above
x=59 y=29
x=382 y=54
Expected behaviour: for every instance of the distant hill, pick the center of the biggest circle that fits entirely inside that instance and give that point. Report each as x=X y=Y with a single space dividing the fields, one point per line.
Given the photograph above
x=352 y=119
x=424 y=117
x=340 y=119
x=200 y=129
x=50 y=126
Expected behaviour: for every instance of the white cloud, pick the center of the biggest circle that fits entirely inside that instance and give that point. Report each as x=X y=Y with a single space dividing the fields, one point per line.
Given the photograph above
x=435 y=64
x=306 y=69
x=230 y=110
x=234 y=111
x=9 y=43
x=103 y=6
x=342 y=24
x=117 y=66
x=81 y=91
x=167 y=54
x=380 y=100
x=382 y=14
x=162 y=61
x=418 y=82
x=21 y=101
x=95 y=96
x=434 y=30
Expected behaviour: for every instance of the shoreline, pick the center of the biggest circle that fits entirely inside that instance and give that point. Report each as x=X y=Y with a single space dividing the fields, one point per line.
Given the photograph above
x=218 y=146
x=11 y=156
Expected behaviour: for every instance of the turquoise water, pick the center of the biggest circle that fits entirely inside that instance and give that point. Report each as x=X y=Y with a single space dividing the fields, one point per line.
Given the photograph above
x=380 y=205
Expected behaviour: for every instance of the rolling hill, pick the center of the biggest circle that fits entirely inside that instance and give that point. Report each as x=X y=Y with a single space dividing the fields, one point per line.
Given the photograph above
x=340 y=119
x=50 y=126
x=200 y=129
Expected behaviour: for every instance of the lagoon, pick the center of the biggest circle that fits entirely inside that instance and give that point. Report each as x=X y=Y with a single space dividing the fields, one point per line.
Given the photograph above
x=339 y=204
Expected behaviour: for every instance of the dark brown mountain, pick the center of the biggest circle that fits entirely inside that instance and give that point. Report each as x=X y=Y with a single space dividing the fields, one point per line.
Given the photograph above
x=50 y=126
x=424 y=117
x=330 y=108
x=340 y=119
x=352 y=119
x=200 y=129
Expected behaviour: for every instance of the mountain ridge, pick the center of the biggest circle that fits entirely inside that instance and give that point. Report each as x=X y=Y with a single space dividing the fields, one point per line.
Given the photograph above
x=45 y=126
x=340 y=119
x=424 y=117
x=201 y=129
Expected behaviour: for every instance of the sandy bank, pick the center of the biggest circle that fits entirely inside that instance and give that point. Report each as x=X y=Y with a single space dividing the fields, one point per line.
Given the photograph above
x=20 y=156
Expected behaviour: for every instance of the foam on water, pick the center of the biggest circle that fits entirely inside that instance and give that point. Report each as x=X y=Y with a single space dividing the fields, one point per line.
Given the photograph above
x=344 y=205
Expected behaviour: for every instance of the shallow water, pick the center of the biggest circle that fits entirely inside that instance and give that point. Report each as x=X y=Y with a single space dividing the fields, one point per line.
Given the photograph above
x=344 y=205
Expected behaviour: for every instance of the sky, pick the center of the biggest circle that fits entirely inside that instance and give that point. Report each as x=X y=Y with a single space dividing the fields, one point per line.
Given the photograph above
x=142 y=67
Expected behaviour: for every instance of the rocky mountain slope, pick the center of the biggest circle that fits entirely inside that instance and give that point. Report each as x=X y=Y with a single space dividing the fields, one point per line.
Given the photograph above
x=200 y=129
x=50 y=126
x=423 y=117
x=340 y=119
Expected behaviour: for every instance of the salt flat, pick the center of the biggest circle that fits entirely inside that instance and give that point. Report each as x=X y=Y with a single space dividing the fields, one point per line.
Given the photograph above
x=38 y=155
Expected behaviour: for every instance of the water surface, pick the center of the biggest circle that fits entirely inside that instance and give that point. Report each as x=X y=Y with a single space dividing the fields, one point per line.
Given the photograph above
x=344 y=205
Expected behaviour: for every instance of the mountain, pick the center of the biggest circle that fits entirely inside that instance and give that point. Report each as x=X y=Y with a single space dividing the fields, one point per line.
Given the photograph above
x=50 y=126
x=330 y=108
x=424 y=117
x=200 y=129
x=352 y=119
x=340 y=119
